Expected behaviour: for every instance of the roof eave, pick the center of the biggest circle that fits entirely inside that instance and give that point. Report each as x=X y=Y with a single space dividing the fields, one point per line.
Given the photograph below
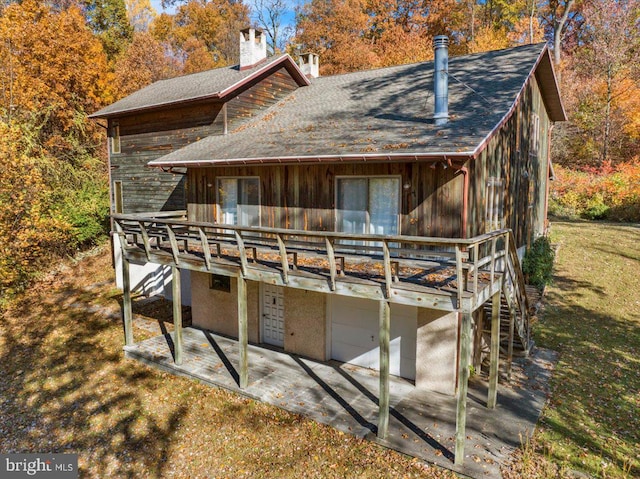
x=544 y=54
x=338 y=158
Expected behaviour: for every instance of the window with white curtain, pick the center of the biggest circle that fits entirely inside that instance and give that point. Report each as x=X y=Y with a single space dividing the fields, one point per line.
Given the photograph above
x=368 y=205
x=239 y=201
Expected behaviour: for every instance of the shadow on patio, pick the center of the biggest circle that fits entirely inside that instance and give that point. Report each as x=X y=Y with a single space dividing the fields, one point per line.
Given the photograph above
x=422 y=423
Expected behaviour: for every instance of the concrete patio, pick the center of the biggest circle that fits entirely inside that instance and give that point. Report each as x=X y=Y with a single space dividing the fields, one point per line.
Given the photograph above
x=422 y=423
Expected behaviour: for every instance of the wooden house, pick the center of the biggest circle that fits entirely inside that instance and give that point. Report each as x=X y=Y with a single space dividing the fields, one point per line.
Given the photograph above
x=374 y=218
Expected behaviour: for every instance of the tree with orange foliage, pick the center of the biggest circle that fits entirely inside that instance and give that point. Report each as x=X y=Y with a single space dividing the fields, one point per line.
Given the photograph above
x=143 y=62
x=204 y=34
x=54 y=73
x=356 y=34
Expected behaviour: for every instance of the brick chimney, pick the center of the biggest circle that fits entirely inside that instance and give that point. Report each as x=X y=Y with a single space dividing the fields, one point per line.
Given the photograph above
x=310 y=64
x=253 y=47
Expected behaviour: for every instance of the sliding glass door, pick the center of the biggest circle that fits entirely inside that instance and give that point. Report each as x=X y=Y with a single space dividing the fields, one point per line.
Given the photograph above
x=368 y=205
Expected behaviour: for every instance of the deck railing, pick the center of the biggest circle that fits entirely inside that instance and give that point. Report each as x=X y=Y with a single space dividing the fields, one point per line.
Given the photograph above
x=473 y=261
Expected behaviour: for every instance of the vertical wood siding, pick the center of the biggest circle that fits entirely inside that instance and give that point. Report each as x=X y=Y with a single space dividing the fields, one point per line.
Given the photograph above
x=147 y=136
x=303 y=196
x=508 y=156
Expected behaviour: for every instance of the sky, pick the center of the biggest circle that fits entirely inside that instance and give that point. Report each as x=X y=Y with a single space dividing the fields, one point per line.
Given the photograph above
x=289 y=18
x=157 y=5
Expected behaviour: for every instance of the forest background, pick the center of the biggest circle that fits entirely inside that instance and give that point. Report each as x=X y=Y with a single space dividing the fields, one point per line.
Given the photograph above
x=61 y=60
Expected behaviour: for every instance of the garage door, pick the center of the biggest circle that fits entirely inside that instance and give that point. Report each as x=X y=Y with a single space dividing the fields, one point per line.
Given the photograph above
x=354 y=335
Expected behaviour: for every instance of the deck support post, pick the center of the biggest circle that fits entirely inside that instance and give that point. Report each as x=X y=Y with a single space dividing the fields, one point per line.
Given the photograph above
x=494 y=355
x=177 y=314
x=383 y=401
x=463 y=383
x=243 y=337
x=127 y=315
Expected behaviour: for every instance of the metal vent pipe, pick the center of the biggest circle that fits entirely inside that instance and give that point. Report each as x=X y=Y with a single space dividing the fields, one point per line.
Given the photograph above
x=441 y=79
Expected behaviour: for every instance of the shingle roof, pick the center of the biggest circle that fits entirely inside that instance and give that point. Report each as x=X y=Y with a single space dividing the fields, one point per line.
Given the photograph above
x=207 y=84
x=378 y=114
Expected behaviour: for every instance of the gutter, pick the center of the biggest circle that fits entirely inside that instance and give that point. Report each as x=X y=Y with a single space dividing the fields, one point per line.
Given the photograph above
x=284 y=160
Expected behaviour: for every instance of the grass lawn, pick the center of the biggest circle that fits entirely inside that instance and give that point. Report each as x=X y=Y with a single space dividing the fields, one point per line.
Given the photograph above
x=67 y=388
x=592 y=318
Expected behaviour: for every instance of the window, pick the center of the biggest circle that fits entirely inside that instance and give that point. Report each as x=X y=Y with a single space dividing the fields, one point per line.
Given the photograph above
x=239 y=201
x=117 y=196
x=220 y=282
x=535 y=134
x=495 y=204
x=115 y=138
x=368 y=205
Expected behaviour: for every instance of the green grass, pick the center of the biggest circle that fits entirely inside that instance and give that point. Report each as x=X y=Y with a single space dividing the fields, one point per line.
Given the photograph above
x=592 y=318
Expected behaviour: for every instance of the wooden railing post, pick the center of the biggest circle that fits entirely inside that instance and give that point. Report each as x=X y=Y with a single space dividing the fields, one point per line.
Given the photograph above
x=283 y=259
x=493 y=259
x=388 y=278
x=205 y=247
x=242 y=252
x=174 y=244
x=383 y=401
x=476 y=253
x=145 y=240
x=333 y=270
x=459 y=275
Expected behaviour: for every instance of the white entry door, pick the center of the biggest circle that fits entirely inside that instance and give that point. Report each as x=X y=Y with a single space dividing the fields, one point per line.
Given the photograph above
x=273 y=315
x=355 y=337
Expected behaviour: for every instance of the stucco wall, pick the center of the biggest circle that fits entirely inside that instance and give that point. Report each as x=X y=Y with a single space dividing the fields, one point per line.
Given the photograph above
x=218 y=310
x=305 y=323
x=437 y=345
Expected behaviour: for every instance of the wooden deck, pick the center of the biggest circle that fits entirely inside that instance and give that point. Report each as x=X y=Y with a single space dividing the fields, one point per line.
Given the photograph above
x=456 y=274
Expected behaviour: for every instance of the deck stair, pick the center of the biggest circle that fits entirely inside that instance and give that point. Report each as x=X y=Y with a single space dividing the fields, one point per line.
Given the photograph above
x=518 y=304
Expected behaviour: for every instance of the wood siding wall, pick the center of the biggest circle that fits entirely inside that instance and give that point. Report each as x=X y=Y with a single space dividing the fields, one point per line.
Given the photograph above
x=303 y=197
x=525 y=173
x=147 y=136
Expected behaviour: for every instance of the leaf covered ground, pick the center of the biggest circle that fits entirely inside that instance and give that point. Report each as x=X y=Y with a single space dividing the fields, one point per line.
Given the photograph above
x=67 y=387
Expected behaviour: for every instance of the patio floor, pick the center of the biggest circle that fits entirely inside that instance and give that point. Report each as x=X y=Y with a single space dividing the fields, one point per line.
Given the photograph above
x=421 y=423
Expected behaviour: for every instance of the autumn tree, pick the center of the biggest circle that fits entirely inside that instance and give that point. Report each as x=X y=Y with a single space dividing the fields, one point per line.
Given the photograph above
x=108 y=19
x=203 y=33
x=140 y=14
x=143 y=63
x=560 y=18
x=354 y=34
x=29 y=230
x=608 y=72
x=54 y=73
x=334 y=30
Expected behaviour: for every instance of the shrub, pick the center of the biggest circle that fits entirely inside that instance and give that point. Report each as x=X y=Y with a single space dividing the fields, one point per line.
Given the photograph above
x=538 y=263
x=608 y=192
x=87 y=211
